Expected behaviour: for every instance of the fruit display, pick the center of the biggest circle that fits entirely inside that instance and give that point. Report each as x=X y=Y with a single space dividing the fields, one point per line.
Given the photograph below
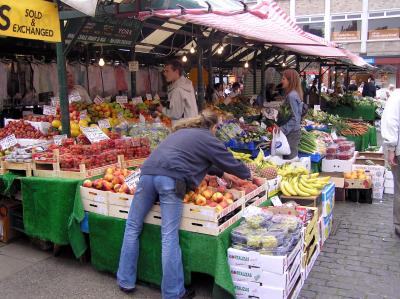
x=156 y=132
x=113 y=181
x=266 y=233
x=359 y=174
x=303 y=185
x=40 y=118
x=262 y=168
x=21 y=129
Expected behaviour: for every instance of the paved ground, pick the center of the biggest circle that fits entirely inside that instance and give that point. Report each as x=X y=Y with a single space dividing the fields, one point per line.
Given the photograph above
x=360 y=260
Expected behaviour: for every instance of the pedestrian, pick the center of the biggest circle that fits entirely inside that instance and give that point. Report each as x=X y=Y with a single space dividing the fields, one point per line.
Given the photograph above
x=294 y=101
x=313 y=94
x=218 y=93
x=353 y=86
x=390 y=129
x=176 y=166
x=369 y=89
x=181 y=97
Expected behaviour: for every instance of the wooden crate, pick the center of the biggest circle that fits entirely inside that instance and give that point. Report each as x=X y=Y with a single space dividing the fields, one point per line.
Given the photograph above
x=118 y=211
x=95 y=207
x=120 y=199
x=130 y=163
x=6 y=166
x=92 y=194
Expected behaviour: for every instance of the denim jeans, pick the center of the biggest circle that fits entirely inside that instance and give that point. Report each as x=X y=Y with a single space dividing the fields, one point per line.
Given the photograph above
x=172 y=285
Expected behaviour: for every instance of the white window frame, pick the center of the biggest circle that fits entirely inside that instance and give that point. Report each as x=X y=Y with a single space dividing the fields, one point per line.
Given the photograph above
x=346 y=17
x=309 y=19
x=385 y=16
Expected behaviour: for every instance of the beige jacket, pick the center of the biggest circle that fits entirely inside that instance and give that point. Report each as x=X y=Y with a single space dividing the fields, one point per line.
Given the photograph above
x=182 y=100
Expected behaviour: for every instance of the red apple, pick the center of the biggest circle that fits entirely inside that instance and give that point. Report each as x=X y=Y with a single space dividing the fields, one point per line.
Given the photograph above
x=107 y=186
x=207 y=193
x=117 y=187
x=124 y=188
x=228 y=195
x=213 y=204
x=228 y=201
x=87 y=184
x=217 y=197
x=98 y=184
x=200 y=200
x=109 y=177
x=109 y=170
x=223 y=204
x=208 y=202
x=187 y=198
x=121 y=179
x=221 y=189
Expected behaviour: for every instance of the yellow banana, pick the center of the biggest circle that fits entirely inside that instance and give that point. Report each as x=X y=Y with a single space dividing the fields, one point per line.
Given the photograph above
x=314 y=175
x=298 y=191
x=282 y=185
x=310 y=191
x=305 y=183
x=289 y=188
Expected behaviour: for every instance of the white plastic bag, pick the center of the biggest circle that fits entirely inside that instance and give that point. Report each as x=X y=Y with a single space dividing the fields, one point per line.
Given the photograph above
x=279 y=144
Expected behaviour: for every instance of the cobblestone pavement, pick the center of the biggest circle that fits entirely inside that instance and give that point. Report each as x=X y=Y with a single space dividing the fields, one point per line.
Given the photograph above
x=361 y=259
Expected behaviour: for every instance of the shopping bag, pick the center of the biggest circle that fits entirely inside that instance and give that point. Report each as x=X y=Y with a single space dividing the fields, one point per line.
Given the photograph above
x=279 y=145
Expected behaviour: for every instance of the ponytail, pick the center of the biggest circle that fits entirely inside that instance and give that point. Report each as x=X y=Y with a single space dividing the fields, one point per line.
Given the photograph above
x=206 y=119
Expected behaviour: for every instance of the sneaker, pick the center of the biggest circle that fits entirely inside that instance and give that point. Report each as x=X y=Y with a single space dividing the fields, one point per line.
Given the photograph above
x=126 y=291
x=397 y=232
x=189 y=294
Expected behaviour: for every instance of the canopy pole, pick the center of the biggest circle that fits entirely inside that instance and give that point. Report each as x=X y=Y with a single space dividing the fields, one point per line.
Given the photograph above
x=87 y=67
x=200 y=84
x=347 y=79
x=210 y=72
x=255 y=73
x=334 y=88
x=133 y=74
x=298 y=63
x=62 y=82
x=263 y=87
x=319 y=83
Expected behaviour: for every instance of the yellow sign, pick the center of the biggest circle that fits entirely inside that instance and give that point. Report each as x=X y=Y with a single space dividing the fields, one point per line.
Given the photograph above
x=34 y=19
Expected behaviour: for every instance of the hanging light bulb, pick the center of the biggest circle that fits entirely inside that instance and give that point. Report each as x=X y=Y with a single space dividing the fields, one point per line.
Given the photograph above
x=246 y=65
x=192 y=50
x=101 y=62
x=184 y=58
x=220 y=50
x=283 y=64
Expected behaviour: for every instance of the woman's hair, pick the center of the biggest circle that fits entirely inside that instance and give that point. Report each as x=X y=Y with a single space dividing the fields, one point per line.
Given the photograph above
x=294 y=82
x=206 y=119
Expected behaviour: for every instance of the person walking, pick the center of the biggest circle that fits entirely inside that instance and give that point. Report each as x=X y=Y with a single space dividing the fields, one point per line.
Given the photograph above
x=369 y=89
x=390 y=129
x=176 y=166
x=181 y=97
x=294 y=102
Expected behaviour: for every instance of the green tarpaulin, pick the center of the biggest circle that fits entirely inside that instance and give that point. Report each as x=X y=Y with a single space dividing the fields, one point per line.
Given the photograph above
x=365 y=112
x=364 y=141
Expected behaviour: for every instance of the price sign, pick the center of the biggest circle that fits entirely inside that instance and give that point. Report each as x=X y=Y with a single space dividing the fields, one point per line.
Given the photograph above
x=94 y=134
x=122 y=100
x=263 y=126
x=276 y=201
x=317 y=107
x=133 y=65
x=133 y=179
x=49 y=110
x=142 y=119
x=59 y=138
x=149 y=97
x=104 y=123
x=137 y=100
x=82 y=114
x=98 y=100
x=8 y=142
x=55 y=101
x=74 y=98
x=334 y=135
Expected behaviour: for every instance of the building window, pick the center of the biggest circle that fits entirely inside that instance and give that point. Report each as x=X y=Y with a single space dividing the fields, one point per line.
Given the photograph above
x=384 y=28
x=314 y=28
x=346 y=30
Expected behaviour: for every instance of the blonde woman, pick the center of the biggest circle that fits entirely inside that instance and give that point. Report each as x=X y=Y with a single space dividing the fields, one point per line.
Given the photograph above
x=294 y=99
x=176 y=166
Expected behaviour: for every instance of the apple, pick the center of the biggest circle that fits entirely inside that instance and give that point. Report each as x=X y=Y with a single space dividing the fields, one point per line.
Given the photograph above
x=125 y=172
x=217 y=197
x=200 y=200
x=117 y=172
x=221 y=189
x=109 y=177
x=213 y=204
x=107 y=186
x=115 y=181
x=98 y=184
x=124 y=188
x=219 y=208
x=229 y=201
x=228 y=195
x=87 y=184
x=117 y=187
x=223 y=204
x=187 y=198
x=207 y=193
x=208 y=202
x=121 y=179
x=109 y=170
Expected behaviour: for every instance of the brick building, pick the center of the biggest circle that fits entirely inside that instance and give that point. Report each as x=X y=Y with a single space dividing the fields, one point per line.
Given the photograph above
x=370 y=28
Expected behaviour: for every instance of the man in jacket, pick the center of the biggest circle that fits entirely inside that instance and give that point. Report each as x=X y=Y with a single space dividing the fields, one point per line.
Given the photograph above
x=369 y=89
x=182 y=101
x=390 y=127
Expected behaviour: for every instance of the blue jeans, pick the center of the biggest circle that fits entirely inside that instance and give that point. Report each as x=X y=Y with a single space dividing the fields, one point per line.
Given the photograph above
x=172 y=285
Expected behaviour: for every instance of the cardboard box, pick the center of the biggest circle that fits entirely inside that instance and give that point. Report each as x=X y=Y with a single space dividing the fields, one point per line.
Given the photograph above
x=377 y=193
x=376 y=171
x=336 y=165
x=270 y=263
x=389 y=190
x=378 y=183
x=389 y=183
x=338 y=179
x=376 y=158
x=267 y=279
x=358 y=184
x=325 y=226
x=328 y=199
x=245 y=290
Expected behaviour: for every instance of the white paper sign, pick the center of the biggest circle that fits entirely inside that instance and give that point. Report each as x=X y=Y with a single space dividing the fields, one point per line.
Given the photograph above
x=94 y=134
x=149 y=97
x=334 y=135
x=49 y=110
x=317 y=107
x=59 y=138
x=8 y=142
x=142 y=119
x=104 y=123
x=82 y=114
x=221 y=182
x=133 y=179
x=263 y=126
x=133 y=65
x=121 y=100
x=55 y=101
x=276 y=201
x=74 y=98
x=98 y=100
x=137 y=100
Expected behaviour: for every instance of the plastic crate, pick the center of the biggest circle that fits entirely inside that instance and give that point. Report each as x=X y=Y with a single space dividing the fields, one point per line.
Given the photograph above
x=85 y=223
x=315 y=158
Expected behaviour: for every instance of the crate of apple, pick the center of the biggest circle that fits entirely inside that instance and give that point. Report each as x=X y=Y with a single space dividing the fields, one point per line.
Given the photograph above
x=113 y=181
x=21 y=129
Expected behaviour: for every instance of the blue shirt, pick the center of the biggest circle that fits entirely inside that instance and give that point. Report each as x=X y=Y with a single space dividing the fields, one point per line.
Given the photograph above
x=296 y=104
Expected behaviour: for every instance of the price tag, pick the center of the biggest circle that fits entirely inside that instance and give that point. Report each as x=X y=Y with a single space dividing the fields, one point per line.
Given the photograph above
x=82 y=114
x=317 y=107
x=263 y=126
x=55 y=101
x=98 y=100
x=133 y=179
x=276 y=201
x=156 y=97
x=74 y=98
x=221 y=182
x=49 y=110
x=149 y=97
x=334 y=135
x=8 y=142
x=133 y=65
x=137 y=100
x=122 y=100
x=59 y=138
x=104 y=123
x=94 y=134
x=142 y=119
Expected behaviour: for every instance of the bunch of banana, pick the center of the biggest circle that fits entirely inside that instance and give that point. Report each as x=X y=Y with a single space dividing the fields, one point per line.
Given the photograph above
x=241 y=156
x=303 y=185
x=288 y=170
